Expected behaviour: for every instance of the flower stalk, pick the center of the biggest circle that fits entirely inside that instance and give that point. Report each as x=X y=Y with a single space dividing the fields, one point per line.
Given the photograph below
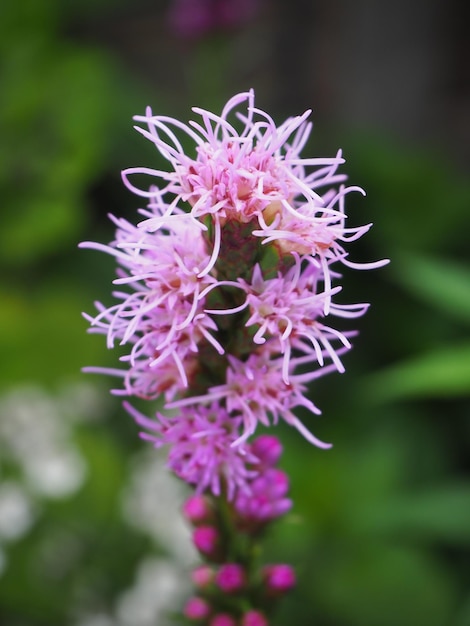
x=226 y=297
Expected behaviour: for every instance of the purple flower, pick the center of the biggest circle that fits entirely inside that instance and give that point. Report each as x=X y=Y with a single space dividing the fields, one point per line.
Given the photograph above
x=289 y=310
x=256 y=390
x=225 y=287
x=162 y=317
x=201 y=448
x=226 y=300
x=253 y=175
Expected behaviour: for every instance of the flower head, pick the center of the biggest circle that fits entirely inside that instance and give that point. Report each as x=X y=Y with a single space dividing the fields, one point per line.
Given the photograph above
x=224 y=296
x=254 y=174
x=225 y=288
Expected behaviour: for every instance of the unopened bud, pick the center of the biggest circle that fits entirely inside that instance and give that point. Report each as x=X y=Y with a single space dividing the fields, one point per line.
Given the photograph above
x=279 y=578
x=205 y=539
x=254 y=618
x=197 y=510
x=230 y=577
x=196 y=608
x=202 y=576
x=222 y=619
x=268 y=449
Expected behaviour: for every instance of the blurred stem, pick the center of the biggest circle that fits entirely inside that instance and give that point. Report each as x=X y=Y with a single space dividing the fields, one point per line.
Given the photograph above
x=241 y=546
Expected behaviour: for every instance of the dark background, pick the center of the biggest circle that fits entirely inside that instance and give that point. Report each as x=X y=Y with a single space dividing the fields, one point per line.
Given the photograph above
x=380 y=530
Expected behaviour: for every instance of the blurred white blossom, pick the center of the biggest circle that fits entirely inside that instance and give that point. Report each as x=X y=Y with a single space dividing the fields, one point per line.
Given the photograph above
x=37 y=448
x=151 y=503
x=158 y=589
x=36 y=433
x=16 y=512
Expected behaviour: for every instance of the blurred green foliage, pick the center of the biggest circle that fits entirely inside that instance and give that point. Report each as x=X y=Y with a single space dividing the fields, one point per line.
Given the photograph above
x=380 y=530
x=55 y=124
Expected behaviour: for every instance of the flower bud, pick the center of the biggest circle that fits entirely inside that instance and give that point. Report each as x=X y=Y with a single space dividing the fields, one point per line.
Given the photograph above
x=278 y=482
x=197 y=510
x=222 y=619
x=254 y=618
x=230 y=578
x=268 y=449
x=196 y=608
x=206 y=538
x=279 y=578
x=267 y=500
x=202 y=576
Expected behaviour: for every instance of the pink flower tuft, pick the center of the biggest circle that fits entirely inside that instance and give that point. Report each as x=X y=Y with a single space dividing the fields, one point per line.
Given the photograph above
x=255 y=174
x=256 y=390
x=162 y=317
x=289 y=309
x=201 y=448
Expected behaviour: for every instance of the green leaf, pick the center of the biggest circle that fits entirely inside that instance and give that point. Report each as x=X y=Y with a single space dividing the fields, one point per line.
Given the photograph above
x=463 y=615
x=369 y=584
x=43 y=336
x=443 y=284
x=440 y=373
x=106 y=463
x=440 y=514
x=419 y=199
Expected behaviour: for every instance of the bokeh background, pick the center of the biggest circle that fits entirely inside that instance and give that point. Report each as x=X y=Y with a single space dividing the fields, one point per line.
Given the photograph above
x=90 y=529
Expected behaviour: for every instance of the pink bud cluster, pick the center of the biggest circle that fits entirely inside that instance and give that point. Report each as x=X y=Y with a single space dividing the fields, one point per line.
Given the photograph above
x=228 y=575
x=263 y=497
x=266 y=499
